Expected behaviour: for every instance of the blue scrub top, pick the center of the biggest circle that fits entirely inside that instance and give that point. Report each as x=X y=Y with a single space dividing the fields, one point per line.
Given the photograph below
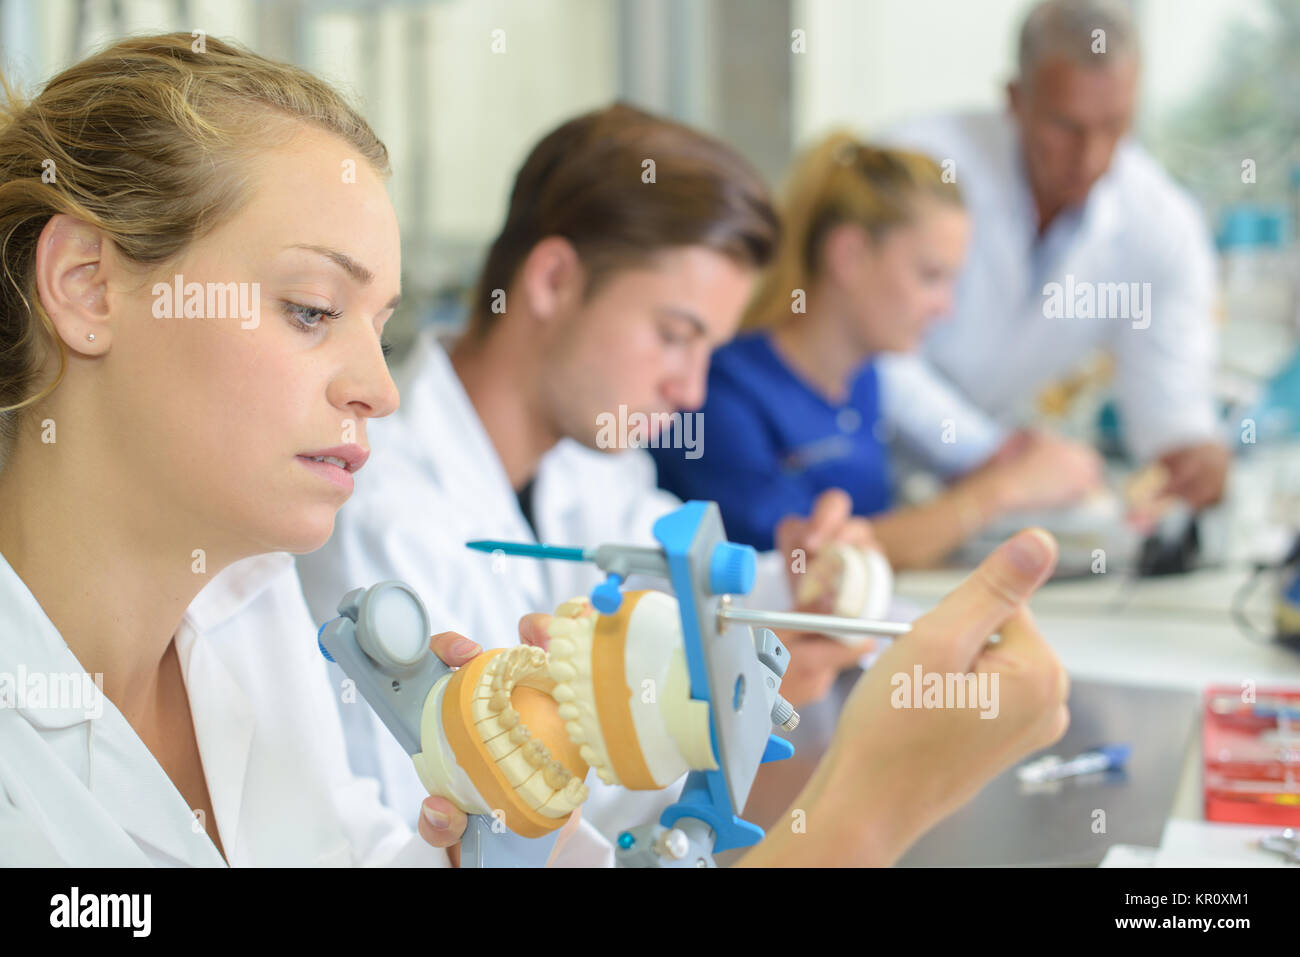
x=771 y=443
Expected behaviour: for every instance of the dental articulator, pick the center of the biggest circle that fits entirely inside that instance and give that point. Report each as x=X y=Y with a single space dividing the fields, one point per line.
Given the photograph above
x=639 y=687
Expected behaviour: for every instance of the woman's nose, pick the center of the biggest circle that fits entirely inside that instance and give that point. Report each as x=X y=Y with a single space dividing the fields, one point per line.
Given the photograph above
x=364 y=383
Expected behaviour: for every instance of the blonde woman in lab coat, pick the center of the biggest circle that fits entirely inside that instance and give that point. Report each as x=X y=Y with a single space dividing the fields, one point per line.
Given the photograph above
x=157 y=447
x=159 y=455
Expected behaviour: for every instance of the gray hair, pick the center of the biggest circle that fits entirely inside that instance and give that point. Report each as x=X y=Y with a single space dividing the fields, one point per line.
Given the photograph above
x=1066 y=28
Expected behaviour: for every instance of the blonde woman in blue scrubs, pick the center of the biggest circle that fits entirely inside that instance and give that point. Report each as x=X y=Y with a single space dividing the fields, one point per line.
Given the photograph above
x=871 y=245
x=159 y=458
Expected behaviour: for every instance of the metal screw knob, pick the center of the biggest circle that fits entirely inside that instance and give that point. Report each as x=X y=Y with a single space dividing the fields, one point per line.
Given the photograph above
x=783 y=714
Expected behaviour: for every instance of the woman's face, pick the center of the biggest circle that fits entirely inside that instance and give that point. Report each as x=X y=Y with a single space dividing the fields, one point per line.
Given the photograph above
x=899 y=284
x=215 y=415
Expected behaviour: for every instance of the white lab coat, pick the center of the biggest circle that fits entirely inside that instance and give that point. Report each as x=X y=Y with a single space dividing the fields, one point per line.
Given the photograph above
x=434 y=482
x=981 y=367
x=83 y=790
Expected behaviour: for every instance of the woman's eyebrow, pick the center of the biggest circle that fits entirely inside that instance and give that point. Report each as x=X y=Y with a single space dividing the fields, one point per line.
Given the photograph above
x=349 y=265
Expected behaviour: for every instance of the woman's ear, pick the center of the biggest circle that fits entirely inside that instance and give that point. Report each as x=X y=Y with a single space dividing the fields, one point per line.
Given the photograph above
x=71 y=282
x=844 y=253
x=551 y=277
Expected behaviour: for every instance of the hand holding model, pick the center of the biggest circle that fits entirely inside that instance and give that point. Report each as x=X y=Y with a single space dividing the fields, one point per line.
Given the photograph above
x=1036 y=470
x=891 y=773
x=823 y=551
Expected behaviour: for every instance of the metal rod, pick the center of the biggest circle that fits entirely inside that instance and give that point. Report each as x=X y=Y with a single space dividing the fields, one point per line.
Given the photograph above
x=832 y=624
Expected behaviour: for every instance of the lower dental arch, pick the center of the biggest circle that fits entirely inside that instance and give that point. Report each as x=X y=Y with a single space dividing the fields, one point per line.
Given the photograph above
x=516 y=730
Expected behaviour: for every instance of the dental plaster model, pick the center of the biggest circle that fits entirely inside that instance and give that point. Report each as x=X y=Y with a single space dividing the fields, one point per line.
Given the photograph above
x=516 y=730
x=859 y=579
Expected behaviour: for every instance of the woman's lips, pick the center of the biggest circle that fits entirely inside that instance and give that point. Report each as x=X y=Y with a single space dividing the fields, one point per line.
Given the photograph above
x=343 y=460
x=340 y=477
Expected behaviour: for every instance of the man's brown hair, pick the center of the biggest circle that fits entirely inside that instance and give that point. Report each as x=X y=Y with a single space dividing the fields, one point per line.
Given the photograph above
x=589 y=182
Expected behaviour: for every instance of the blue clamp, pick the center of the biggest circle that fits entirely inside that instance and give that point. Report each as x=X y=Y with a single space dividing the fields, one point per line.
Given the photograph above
x=732 y=569
x=606 y=597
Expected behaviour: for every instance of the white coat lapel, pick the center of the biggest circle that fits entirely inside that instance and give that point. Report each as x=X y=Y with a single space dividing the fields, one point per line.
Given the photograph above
x=108 y=776
x=469 y=469
x=223 y=726
x=132 y=786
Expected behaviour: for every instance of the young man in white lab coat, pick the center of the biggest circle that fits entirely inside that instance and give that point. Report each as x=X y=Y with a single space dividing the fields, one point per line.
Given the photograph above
x=1081 y=243
x=604 y=292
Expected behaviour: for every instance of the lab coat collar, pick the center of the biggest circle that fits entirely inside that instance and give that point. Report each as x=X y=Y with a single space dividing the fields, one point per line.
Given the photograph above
x=1017 y=169
x=450 y=431
x=120 y=771
x=109 y=760
x=232 y=589
x=32 y=652
x=221 y=712
x=1100 y=214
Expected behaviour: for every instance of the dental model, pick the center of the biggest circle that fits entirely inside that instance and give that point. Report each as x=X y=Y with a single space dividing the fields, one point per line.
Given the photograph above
x=515 y=731
x=855 y=582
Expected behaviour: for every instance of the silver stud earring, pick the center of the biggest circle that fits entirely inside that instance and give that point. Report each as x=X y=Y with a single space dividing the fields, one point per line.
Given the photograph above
x=90 y=336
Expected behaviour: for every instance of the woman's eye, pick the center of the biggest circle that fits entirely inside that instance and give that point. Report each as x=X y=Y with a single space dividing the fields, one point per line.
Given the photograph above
x=308 y=317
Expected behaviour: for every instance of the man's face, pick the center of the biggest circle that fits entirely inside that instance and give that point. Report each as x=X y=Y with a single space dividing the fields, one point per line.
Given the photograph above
x=644 y=339
x=1071 y=119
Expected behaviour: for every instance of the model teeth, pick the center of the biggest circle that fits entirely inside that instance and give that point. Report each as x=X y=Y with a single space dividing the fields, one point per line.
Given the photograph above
x=571 y=632
x=666 y=737
x=526 y=763
x=555 y=775
x=563 y=671
x=575 y=790
x=536 y=753
x=579 y=607
x=541 y=781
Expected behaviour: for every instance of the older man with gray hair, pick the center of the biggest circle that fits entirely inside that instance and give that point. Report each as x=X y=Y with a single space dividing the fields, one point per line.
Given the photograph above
x=1082 y=243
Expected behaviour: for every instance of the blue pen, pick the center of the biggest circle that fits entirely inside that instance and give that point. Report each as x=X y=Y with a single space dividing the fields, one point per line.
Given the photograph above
x=1106 y=757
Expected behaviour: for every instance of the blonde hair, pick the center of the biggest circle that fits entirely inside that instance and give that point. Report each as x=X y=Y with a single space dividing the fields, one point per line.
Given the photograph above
x=840 y=180
x=145 y=141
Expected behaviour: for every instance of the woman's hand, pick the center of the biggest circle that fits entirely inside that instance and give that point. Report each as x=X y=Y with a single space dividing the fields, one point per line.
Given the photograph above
x=443 y=824
x=1036 y=470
